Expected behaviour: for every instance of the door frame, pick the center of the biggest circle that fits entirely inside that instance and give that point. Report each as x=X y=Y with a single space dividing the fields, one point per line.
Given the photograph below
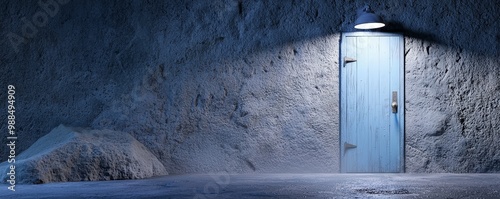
x=401 y=97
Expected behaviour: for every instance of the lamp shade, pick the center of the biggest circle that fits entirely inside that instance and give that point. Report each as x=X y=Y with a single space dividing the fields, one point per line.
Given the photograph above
x=368 y=20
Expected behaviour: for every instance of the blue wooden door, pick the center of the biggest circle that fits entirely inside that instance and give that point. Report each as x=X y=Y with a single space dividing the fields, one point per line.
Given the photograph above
x=372 y=102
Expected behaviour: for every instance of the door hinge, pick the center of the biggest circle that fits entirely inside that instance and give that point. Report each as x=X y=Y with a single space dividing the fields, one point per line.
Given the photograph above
x=348 y=60
x=349 y=146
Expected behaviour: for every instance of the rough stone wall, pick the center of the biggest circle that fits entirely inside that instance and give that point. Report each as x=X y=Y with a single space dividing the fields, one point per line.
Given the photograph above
x=245 y=86
x=453 y=113
x=452 y=86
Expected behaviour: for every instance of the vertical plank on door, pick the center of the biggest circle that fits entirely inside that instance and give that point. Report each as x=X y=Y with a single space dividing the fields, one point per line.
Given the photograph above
x=385 y=101
x=372 y=90
x=348 y=94
x=362 y=103
x=395 y=131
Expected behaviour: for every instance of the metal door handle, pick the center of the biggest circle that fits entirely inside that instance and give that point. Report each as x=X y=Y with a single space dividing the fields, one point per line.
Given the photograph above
x=394 y=104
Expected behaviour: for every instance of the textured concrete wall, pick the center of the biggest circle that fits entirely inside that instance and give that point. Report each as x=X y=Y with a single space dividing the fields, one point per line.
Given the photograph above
x=245 y=86
x=452 y=86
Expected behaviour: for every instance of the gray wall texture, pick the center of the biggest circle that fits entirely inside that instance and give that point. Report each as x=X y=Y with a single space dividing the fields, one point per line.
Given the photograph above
x=248 y=86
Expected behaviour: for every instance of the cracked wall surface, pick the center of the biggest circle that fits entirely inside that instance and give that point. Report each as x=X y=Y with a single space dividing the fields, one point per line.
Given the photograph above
x=250 y=86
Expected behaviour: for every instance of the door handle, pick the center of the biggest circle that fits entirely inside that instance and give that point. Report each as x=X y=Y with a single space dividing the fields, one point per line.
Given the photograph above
x=394 y=103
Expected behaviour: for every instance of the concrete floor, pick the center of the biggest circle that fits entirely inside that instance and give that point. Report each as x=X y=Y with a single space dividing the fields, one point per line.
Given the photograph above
x=274 y=186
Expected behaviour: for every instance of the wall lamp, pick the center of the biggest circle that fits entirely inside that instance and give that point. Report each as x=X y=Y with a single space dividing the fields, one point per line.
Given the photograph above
x=367 y=19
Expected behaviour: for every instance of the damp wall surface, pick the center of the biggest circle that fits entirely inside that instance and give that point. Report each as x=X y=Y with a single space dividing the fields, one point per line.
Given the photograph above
x=248 y=86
